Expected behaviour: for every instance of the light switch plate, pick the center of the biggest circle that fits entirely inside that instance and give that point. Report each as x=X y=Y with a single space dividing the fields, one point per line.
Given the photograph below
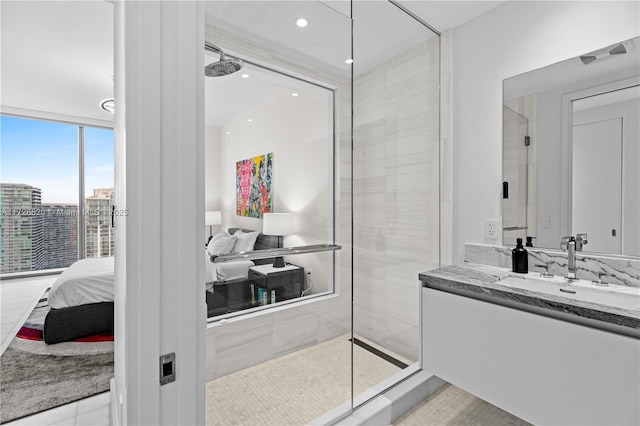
x=167 y=368
x=545 y=222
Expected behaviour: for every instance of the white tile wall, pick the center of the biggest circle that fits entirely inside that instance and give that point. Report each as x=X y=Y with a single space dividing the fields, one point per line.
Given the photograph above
x=396 y=195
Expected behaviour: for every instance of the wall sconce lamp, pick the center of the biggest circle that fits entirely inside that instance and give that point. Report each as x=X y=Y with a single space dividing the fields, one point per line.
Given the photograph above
x=278 y=224
x=212 y=218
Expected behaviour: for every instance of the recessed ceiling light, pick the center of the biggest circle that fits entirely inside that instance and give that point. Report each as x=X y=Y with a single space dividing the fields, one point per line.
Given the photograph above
x=108 y=105
x=294 y=94
x=245 y=75
x=249 y=119
x=228 y=133
x=348 y=61
x=301 y=22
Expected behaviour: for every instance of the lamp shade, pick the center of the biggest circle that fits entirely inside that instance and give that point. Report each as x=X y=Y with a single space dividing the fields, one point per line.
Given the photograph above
x=277 y=224
x=213 y=218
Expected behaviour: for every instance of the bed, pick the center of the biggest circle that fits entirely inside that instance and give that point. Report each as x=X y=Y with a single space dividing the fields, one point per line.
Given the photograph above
x=228 y=287
x=81 y=301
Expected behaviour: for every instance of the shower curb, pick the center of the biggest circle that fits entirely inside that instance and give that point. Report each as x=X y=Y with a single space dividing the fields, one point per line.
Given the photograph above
x=388 y=406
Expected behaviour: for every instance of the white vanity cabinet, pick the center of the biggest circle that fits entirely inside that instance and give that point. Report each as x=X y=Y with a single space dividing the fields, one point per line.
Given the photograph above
x=541 y=369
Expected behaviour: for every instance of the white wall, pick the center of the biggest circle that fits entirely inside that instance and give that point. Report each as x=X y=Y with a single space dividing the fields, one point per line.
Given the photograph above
x=511 y=39
x=212 y=187
x=212 y=184
x=159 y=272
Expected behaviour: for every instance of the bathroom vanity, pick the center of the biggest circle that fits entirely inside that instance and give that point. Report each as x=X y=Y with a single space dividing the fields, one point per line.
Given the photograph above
x=545 y=355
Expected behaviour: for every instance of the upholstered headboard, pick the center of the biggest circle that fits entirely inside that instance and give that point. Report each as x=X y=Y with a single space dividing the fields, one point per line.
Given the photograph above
x=262 y=242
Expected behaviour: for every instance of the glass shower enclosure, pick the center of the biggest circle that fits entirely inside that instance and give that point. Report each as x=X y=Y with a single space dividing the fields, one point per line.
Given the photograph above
x=347 y=104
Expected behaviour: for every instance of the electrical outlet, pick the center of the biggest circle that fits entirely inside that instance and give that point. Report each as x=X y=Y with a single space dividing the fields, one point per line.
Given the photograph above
x=491 y=229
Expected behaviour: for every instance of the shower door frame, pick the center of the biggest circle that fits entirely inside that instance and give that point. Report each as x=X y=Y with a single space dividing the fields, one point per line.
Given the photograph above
x=402 y=376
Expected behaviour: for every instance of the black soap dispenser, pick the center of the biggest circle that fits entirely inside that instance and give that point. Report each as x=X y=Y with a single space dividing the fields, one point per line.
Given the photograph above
x=519 y=259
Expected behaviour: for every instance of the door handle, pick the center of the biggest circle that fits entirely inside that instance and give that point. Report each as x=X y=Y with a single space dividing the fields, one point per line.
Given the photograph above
x=113 y=216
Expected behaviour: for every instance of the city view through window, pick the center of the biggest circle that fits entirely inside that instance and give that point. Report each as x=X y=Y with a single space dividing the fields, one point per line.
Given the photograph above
x=41 y=213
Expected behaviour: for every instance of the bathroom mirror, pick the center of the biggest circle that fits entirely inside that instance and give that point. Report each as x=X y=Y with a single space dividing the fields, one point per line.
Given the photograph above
x=571 y=136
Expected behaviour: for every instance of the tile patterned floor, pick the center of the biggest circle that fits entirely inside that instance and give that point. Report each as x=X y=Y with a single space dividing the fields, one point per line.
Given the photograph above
x=89 y=411
x=453 y=406
x=296 y=388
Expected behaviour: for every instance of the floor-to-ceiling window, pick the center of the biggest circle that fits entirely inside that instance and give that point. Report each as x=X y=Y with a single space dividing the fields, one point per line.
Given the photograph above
x=56 y=188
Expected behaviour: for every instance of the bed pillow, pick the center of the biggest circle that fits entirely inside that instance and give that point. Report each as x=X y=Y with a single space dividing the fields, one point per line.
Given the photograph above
x=222 y=245
x=214 y=238
x=246 y=241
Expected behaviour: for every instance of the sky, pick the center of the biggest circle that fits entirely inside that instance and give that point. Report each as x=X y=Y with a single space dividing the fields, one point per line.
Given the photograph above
x=44 y=154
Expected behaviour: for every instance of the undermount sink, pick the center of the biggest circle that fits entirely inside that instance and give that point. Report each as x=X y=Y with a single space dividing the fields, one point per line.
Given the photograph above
x=618 y=296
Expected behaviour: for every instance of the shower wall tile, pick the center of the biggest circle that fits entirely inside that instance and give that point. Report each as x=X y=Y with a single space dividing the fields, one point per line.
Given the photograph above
x=398 y=234
x=210 y=355
x=242 y=343
x=399 y=306
x=295 y=328
x=333 y=320
x=445 y=170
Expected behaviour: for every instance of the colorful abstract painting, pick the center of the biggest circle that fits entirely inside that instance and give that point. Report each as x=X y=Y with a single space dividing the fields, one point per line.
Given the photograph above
x=253 y=186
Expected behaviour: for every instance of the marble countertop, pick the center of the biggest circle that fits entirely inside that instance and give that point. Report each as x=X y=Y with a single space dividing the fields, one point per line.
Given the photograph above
x=483 y=282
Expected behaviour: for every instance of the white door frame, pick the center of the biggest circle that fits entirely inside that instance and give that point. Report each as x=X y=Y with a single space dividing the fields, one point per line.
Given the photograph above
x=159 y=132
x=567 y=144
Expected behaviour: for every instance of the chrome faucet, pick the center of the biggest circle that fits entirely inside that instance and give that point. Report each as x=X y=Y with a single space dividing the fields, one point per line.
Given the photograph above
x=569 y=245
x=581 y=239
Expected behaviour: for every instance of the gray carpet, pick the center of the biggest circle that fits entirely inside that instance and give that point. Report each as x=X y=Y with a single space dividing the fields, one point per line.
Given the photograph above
x=31 y=383
x=35 y=377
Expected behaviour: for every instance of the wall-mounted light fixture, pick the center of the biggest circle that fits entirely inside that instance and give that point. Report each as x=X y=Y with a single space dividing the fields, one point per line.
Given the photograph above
x=278 y=224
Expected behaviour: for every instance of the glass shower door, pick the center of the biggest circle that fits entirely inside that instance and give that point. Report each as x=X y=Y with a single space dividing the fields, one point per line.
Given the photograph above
x=396 y=73
x=287 y=362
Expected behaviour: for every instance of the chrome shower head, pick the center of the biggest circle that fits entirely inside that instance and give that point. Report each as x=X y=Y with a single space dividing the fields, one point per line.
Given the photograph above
x=223 y=67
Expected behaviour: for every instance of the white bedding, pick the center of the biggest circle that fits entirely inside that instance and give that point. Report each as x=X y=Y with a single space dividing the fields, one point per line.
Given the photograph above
x=85 y=281
x=225 y=271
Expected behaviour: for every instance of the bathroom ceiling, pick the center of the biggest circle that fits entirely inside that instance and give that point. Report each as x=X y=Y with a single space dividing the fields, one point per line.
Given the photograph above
x=57 y=56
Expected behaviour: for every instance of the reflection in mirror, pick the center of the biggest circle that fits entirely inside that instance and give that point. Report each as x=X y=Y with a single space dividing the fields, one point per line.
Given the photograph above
x=580 y=167
x=605 y=137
